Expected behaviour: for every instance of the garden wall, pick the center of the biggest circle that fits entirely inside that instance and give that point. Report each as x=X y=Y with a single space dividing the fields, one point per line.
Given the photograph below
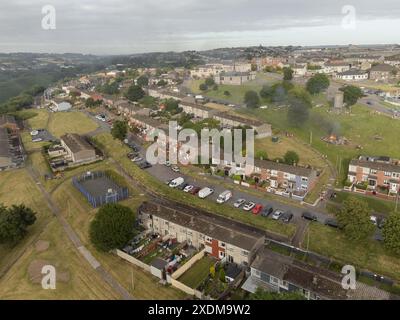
x=133 y=260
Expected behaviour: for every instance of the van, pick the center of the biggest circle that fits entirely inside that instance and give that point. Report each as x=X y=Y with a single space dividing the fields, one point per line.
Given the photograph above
x=224 y=196
x=205 y=192
x=176 y=182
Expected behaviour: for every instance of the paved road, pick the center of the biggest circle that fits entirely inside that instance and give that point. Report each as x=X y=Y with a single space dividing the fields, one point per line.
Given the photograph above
x=73 y=237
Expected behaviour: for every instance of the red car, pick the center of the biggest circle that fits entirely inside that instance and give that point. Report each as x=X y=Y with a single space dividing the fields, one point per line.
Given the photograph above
x=195 y=190
x=257 y=209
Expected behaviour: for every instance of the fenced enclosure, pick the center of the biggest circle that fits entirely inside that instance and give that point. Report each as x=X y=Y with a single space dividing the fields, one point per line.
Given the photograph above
x=99 y=188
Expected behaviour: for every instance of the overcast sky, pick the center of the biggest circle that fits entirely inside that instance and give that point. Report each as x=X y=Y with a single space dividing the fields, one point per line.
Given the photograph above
x=131 y=26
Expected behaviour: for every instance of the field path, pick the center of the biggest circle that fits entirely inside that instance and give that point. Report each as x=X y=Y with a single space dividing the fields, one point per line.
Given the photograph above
x=107 y=277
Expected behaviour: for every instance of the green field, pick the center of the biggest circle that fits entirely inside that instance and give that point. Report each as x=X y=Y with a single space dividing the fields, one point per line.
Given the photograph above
x=70 y=122
x=369 y=254
x=373 y=134
x=197 y=273
x=236 y=92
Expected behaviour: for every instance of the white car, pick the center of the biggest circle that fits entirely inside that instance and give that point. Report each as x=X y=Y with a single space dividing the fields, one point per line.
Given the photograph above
x=167 y=164
x=176 y=182
x=188 y=188
x=224 y=197
x=137 y=159
x=374 y=220
x=249 y=206
x=205 y=192
x=277 y=214
x=238 y=203
x=34 y=133
x=175 y=169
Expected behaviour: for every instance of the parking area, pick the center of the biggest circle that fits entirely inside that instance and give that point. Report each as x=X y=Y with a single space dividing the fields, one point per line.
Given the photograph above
x=42 y=135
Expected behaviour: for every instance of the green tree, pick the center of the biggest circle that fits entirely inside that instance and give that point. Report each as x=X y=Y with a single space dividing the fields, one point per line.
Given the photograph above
x=391 y=233
x=203 y=87
x=351 y=95
x=209 y=82
x=261 y=294
x=112 y=227
x=14 y=222
x=251 y=99
x=266 y=92
x=227 y=93
x=317 y=83
x=222 y=275
x=119 y=130
x=142 y=81
x=291 y=158
x=287 y=74
x=135 y=93
x=354 y=217
x=162 y=83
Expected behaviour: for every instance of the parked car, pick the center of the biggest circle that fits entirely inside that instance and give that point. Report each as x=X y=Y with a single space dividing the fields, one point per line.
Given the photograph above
x=176 y=182
x=277 y=214
x=309 y=216
x=137 y=159
x=145 y=165
x=224 y=196
x=175 y=169
x=167 y=164
x=249 y=206
x=195 y=190
x=188 y=188
x=257 y=209
x=205 y=192
x=182 y=186
x=239 y=202
x=374 y=220
x=267 y=210
x=331 y=223
x=287 y=217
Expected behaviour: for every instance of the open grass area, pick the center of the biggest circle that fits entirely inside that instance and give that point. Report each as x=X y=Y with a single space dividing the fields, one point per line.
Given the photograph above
x=118 y=151
x=375 y=204
x=236 y=92
x=79 y=214
x=197 y=273
x=369 y=254
x=40 y=120
x=70 y=122
x=375 y=134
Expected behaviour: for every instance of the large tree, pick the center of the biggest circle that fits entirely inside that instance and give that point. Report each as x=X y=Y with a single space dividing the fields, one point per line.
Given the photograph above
x=142 y=81
x=391 y=233
x=354 y=218
x=209 y=82
x=119 y=130
x=317 y=83
x=112 y=227
x=135 y=93
x=14 y=222
x=351 y=95
x=251 y=99
x=287 y=74
x=291 y=158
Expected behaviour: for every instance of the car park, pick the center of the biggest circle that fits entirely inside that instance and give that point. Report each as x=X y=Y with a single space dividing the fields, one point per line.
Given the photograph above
x=145 y=165
x=277 y=214
x=249 y=206
x=238 y=203
x=188 y=188
x=182 y=186
x=224 y=196
x=176 y=182
x=287 y=216
x=205 y=192
x=309 y=216
x=267 y=210
x=257 y=209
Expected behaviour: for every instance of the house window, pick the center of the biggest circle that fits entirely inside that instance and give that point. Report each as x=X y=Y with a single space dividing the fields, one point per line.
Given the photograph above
x=208 y=239
x=274 y=280
x=388 y=174
x=221 y=254
x=245 y=253
x=304 y=179
x=257 y=273
x=373 y=171
x=285 y=284
x=189 y=233
x=222 y=244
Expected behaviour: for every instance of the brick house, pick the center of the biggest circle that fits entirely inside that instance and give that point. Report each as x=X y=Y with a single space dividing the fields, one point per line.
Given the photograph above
x=376 y=172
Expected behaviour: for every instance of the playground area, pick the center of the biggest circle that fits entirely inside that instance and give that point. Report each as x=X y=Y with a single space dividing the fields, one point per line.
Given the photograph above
x=99 y=188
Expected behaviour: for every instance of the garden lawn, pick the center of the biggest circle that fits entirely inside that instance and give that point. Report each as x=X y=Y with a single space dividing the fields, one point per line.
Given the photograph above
x=197 y=273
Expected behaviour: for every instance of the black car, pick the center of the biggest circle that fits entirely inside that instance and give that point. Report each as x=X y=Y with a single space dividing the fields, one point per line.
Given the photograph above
x=267 y=210
x=144 y=165
x=182 y=186
x=287 y=216
x=309 y=216
x=332 y=223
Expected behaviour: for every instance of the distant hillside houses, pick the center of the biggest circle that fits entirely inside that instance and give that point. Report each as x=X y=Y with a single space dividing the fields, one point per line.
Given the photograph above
x=214 y=69
x=353 y=75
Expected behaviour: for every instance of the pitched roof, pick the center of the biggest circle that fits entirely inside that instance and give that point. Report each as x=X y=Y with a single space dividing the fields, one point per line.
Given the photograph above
x=382 y=68
x=76 y=143
x=271 y=165
x=379 y=166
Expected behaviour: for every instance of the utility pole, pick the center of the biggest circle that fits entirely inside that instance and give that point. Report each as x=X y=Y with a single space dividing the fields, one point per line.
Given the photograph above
x=311 y=137
x=397 y=201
